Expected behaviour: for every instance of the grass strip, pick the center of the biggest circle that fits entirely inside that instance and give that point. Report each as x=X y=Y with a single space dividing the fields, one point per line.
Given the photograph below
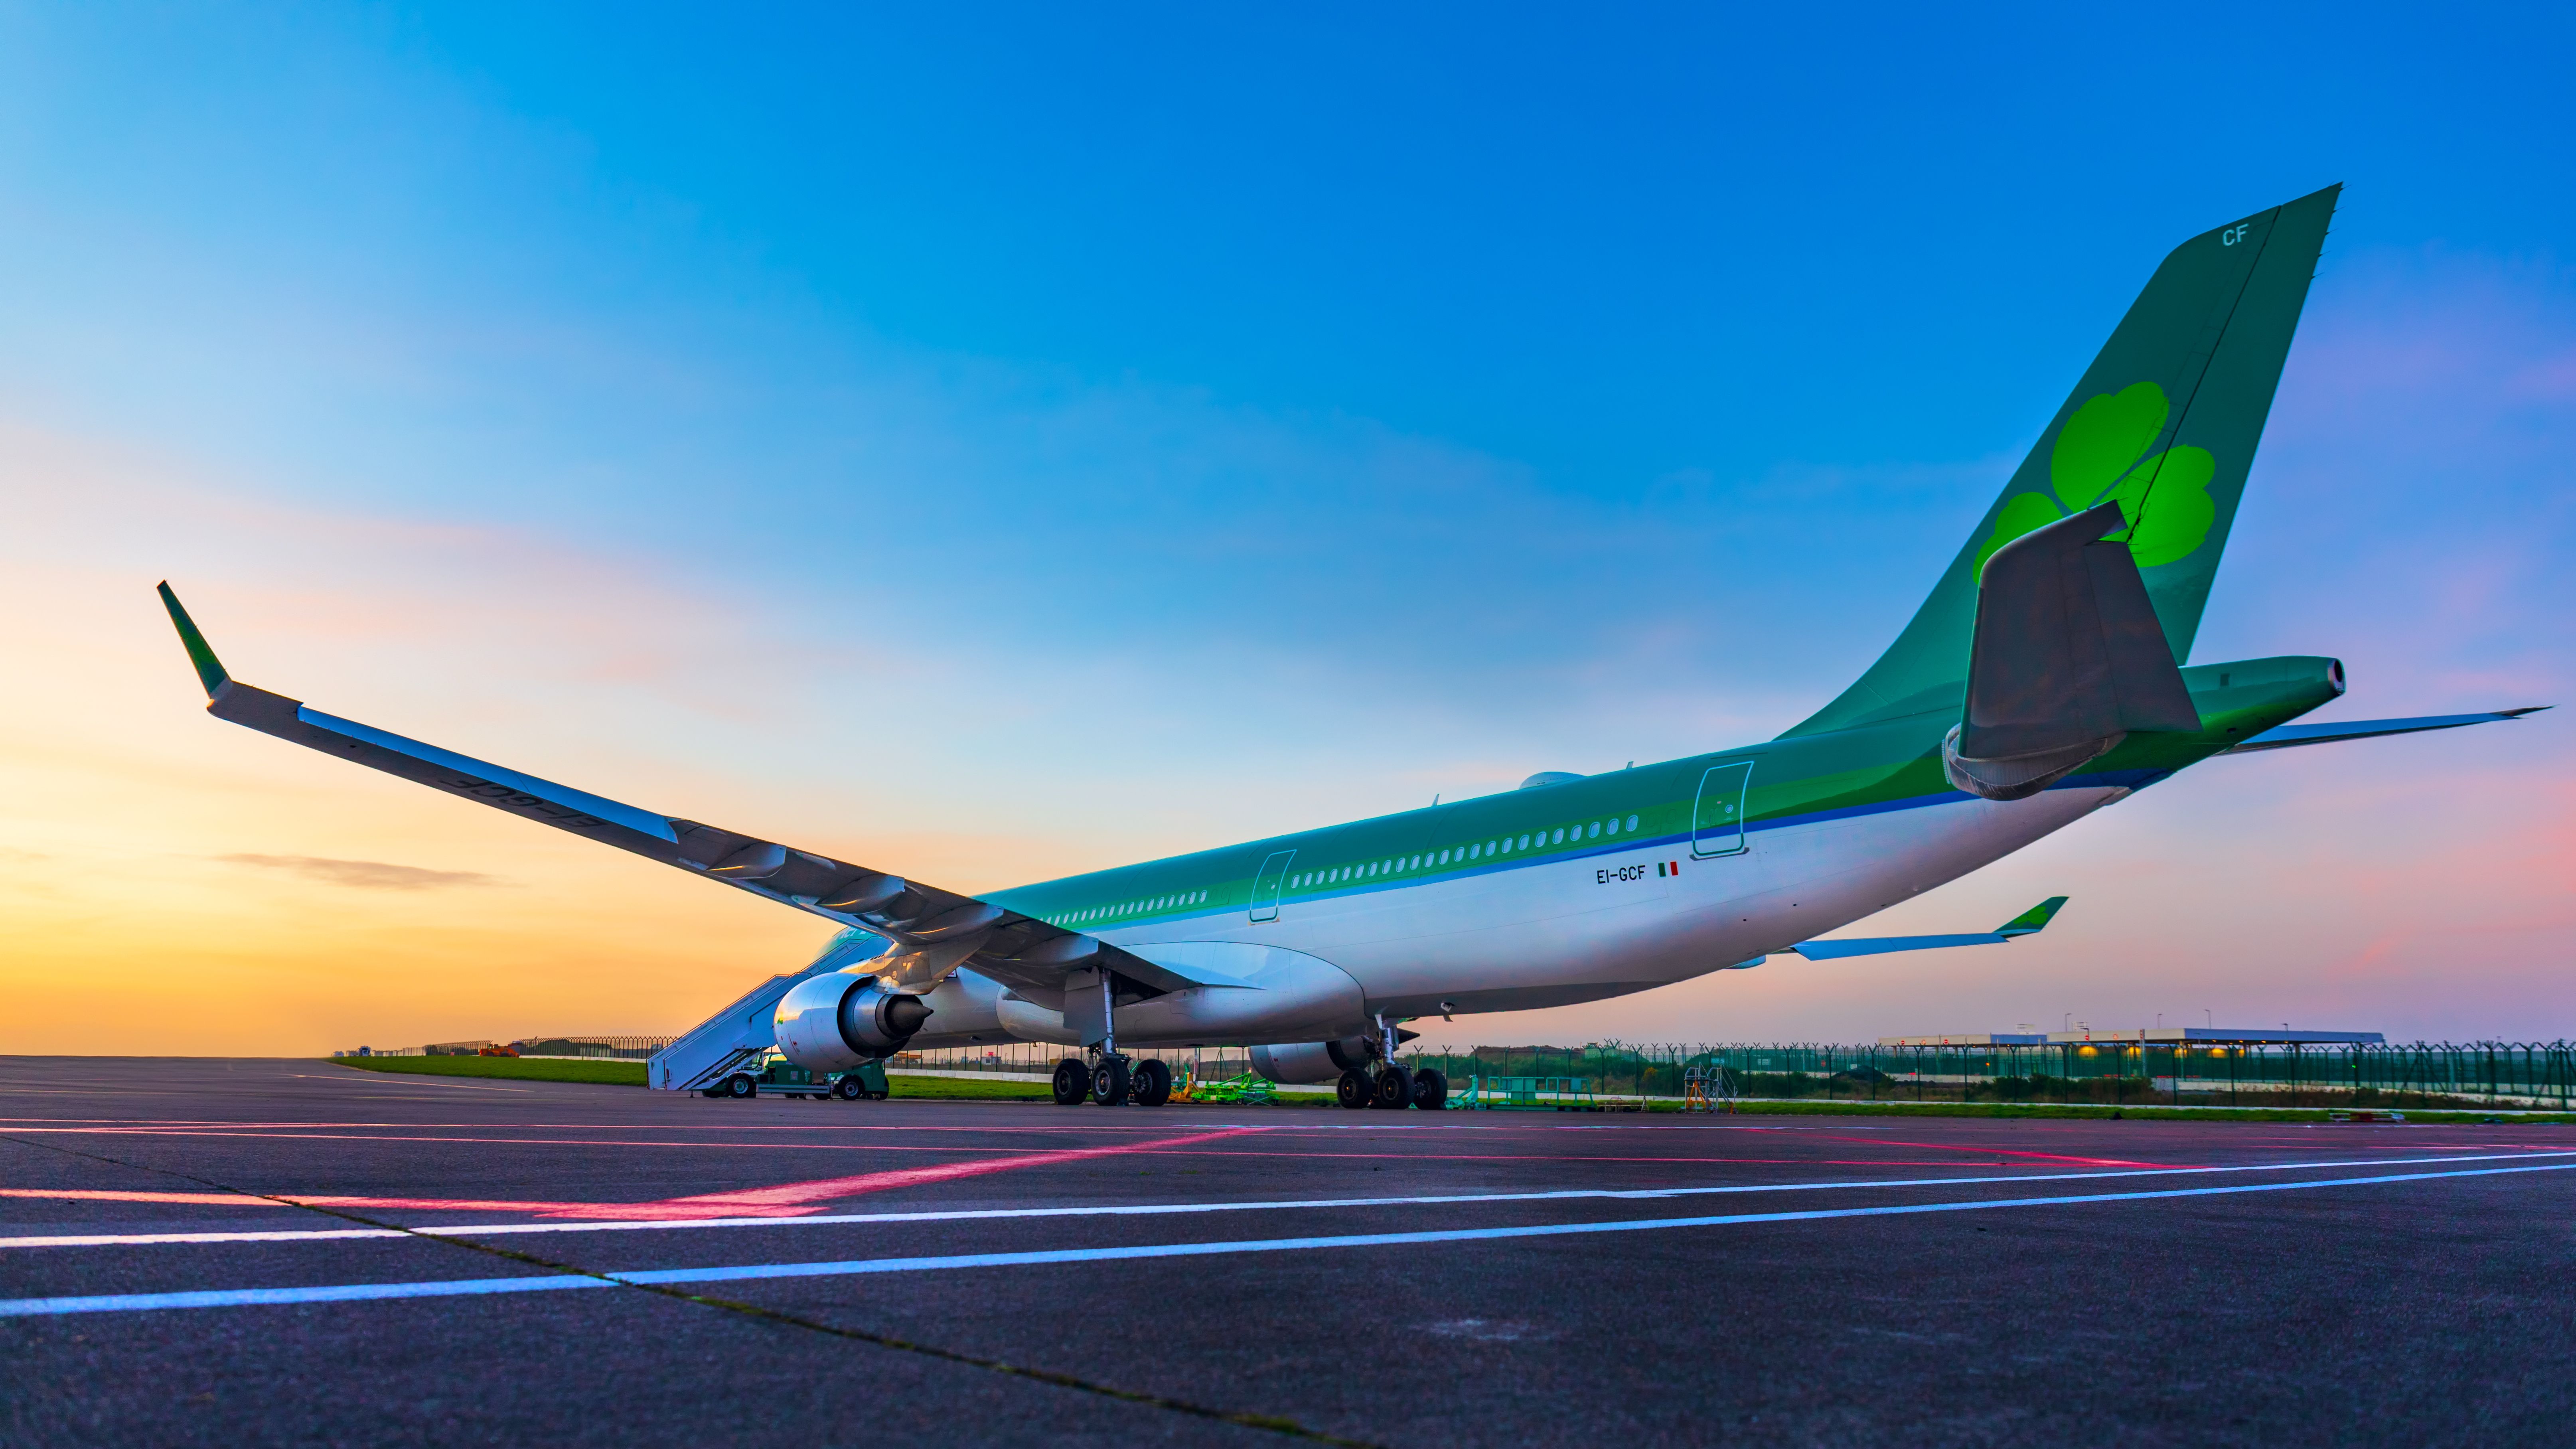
x=525 y=1069
x=631 y=1074
x=2136 y=1111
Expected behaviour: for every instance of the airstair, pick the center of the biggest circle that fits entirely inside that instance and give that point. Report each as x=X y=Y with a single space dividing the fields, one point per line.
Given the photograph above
x=738 y=1037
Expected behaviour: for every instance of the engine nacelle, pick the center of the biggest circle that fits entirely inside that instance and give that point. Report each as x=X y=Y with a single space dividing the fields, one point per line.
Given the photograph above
x=833 y=1022
x=1313 y=1061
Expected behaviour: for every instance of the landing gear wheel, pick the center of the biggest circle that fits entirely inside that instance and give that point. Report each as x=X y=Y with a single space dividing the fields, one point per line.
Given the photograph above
x=1430 y=1089
x=1072 y=1082
x=1393 y=1089
x=740 y=1085
x=849 y=1089
x=1354 y=1091
x=1153 y=1085
x=1110 y=1081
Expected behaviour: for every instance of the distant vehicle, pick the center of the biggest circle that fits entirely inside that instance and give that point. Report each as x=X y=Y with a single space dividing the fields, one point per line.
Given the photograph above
x=779 y=1077
x=2040 y=681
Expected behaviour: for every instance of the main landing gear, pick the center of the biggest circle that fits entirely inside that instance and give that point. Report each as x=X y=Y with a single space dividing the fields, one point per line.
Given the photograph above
x=1386 y=1085
x=1109 y=1078
x=1112 y=1081
x=1392 y=1088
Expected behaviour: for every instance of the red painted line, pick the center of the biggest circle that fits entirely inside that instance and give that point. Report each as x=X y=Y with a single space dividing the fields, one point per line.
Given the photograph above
x=85 y=1194
x=1554 y=1157
x=797 y=1198
x=793 y=1199
x=234 y=1199
x=2004 y=1152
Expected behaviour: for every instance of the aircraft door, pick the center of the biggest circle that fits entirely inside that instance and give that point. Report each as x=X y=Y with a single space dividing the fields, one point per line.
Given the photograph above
x=1266 y=885
x=1717 y=818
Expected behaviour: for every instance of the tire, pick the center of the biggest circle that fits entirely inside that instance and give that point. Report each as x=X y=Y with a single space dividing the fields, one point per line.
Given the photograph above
x=1153 y=1086
x=1110 y=1082
x=1391 y=1090
x=1072 y=1082
x=739 y=1086
x=1430 y=1089
x=849 y=1089
x=1354 y=1091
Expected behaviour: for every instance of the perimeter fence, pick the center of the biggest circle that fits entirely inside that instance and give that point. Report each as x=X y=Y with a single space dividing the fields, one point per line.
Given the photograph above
x=2424 y=1074
x=612 y=1048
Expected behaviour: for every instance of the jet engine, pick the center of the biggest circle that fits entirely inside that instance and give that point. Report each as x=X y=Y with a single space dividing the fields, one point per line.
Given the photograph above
x=833 y=1022
x=1317 y=1061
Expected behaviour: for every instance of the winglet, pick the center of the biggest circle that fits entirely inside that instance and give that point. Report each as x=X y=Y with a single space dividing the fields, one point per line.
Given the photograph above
x=210 y=670
x=2029 y=921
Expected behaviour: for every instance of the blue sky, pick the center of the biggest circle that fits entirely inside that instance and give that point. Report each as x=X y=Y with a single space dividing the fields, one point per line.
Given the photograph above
x=1128 y=430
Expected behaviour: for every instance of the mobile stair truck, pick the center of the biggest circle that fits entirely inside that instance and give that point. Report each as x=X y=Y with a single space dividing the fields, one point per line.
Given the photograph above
x=733 y=1053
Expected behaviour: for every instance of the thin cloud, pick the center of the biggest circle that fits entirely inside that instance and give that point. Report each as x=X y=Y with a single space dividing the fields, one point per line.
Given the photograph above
x=375 y=874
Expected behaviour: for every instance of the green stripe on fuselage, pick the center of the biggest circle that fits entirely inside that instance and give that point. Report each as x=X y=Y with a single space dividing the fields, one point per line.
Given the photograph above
x=1884 y=766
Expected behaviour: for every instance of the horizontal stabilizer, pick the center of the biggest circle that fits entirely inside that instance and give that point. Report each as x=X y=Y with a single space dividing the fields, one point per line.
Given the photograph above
x=2028 y=923
x=2364 y=729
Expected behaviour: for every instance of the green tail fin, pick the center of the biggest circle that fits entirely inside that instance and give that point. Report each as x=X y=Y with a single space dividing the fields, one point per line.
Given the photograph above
x=2165 y=421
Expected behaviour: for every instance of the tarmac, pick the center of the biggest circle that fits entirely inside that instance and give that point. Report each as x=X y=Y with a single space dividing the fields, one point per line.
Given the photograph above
x=291 y=1252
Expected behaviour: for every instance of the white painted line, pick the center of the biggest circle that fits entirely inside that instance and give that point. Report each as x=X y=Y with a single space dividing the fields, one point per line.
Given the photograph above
x=1176 y=1209
x=659 y=1277
x=132 y=1240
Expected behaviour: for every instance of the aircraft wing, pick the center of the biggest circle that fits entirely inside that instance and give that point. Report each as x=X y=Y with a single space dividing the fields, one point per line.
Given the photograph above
x=932 y=931
x=2028 y=923
x=2285 y=736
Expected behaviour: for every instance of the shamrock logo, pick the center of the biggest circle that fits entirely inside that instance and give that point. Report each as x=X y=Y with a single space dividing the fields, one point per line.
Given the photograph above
x=2165 y=496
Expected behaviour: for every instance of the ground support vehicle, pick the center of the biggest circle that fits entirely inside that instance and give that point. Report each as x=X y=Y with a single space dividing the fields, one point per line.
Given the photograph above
x=783 y=1078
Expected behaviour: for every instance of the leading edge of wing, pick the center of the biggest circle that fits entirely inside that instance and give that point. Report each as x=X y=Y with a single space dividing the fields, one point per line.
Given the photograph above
x=923 y=922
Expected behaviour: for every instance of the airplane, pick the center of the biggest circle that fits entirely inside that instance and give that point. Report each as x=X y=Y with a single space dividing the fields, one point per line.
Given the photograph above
x=2039 y=682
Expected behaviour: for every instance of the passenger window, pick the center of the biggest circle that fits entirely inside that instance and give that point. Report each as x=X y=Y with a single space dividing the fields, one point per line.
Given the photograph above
x=1614 y=827
x=1524 y=842
x=1632 y=822
x=1596 y=828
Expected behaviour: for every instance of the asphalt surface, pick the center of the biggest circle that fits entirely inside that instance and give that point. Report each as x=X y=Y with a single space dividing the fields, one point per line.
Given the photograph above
x=1947 y=1280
